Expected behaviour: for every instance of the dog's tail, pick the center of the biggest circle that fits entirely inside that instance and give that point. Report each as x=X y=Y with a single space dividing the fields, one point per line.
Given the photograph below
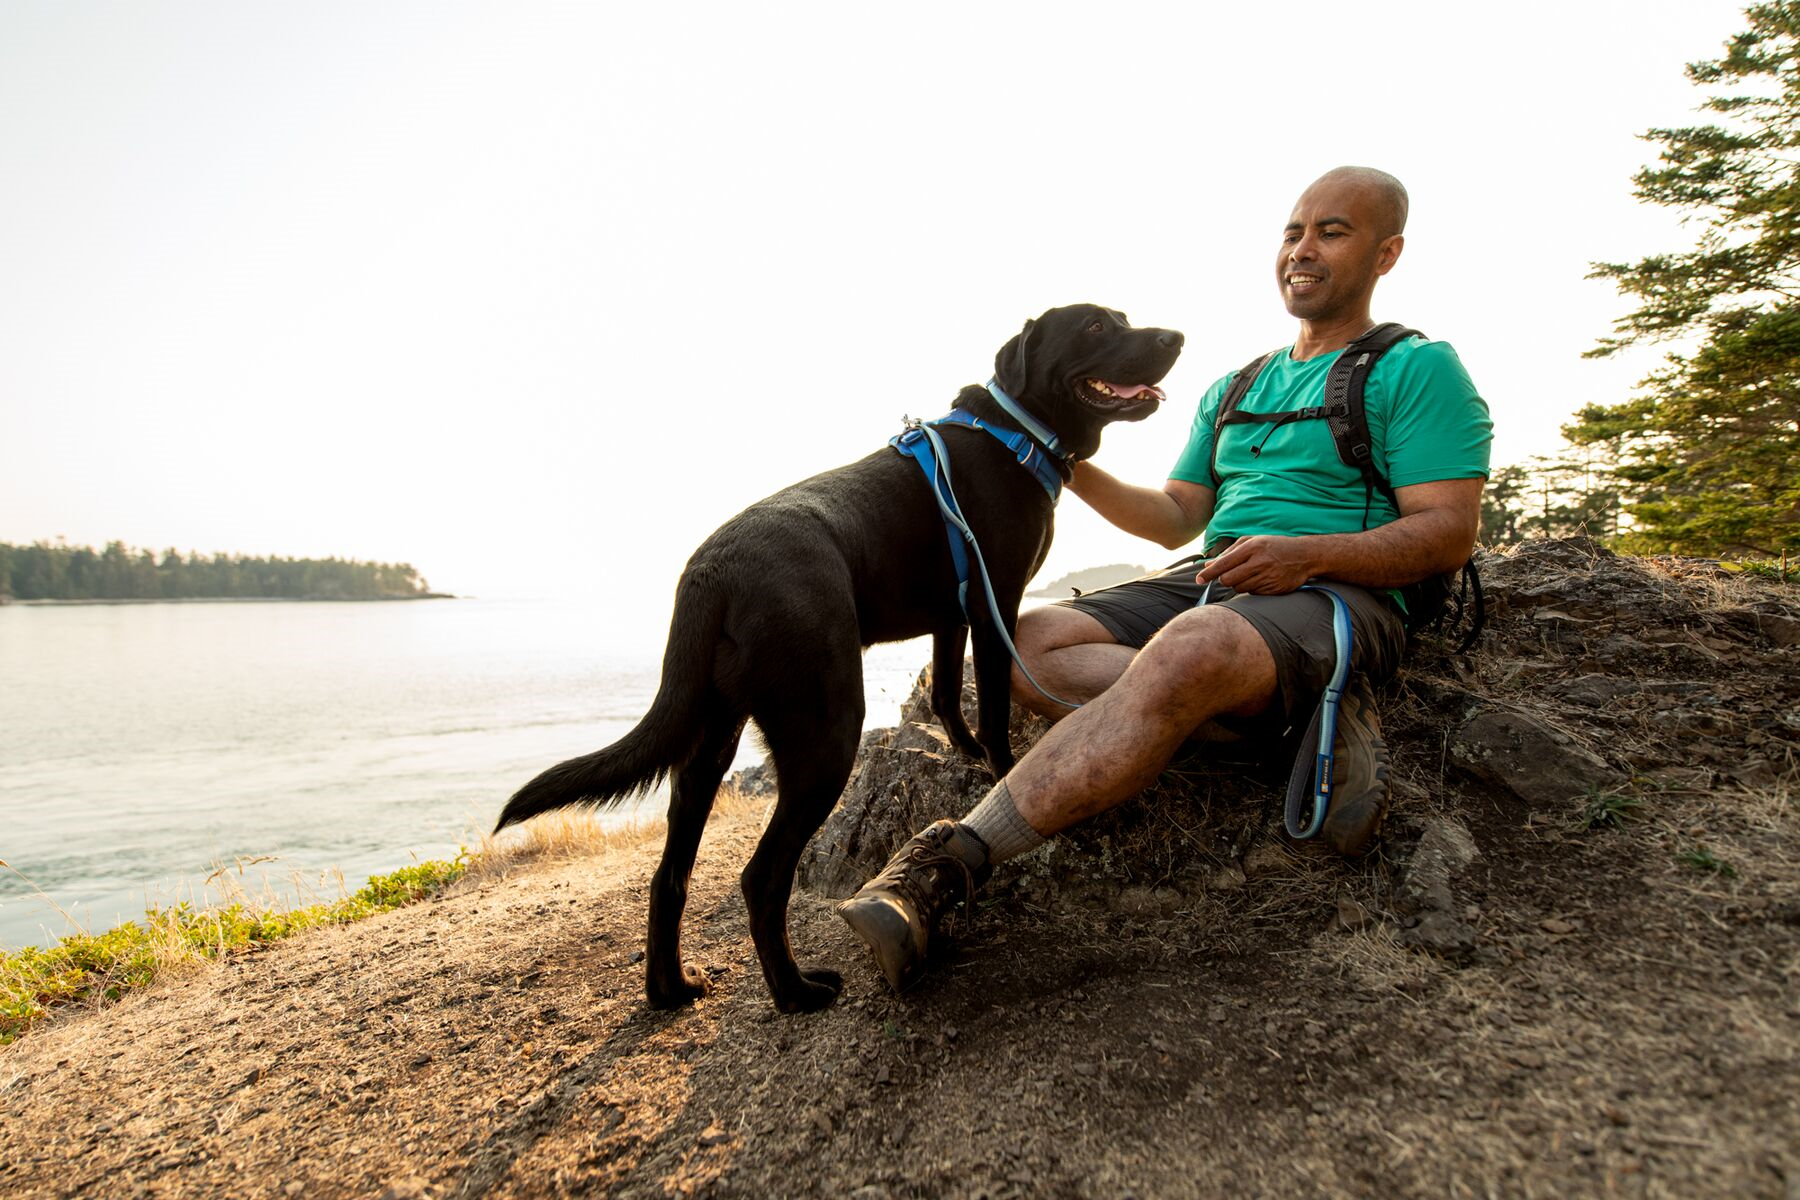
x=667 y=736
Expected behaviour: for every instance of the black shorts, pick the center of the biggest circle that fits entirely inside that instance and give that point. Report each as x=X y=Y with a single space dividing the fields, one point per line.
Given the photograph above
x=1296 y=626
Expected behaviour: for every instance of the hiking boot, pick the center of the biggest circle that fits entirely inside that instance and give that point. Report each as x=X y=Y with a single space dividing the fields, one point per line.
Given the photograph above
x=897 y=911
x=1360 y=786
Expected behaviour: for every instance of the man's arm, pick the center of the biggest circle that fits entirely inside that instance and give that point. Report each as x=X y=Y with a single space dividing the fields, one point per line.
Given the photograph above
x=1435 y=533
x=1172 y=517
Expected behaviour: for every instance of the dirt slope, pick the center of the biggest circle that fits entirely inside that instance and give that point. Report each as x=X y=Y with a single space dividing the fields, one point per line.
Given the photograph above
x=1510 y=1000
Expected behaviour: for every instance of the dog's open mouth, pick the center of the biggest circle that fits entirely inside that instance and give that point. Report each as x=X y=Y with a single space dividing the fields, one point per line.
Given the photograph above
x=1098 y=393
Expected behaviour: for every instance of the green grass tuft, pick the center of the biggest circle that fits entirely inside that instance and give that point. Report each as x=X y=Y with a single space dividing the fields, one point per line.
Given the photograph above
x=1608 y=810
x=1700 y=858
x=105 y=966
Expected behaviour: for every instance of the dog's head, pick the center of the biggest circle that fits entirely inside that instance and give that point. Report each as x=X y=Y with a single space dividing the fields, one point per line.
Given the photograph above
x=1079 y=368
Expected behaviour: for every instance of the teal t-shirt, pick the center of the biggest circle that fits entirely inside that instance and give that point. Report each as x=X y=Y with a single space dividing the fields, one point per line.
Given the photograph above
x=1426 y=423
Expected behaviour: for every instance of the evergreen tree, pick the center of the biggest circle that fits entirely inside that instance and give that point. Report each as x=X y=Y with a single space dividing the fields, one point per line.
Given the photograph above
x=1710 y=445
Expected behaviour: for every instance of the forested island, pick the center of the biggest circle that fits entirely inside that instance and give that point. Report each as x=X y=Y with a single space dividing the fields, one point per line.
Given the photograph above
x=46 y=571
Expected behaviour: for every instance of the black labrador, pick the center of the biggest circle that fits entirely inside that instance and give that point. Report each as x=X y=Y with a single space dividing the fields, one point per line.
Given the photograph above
x=773 y=610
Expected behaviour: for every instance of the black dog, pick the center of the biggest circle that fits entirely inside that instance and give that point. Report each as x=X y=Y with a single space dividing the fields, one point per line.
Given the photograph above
x=774 y=608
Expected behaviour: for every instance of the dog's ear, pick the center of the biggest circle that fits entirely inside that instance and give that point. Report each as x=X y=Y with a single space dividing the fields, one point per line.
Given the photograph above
x=1011 y=363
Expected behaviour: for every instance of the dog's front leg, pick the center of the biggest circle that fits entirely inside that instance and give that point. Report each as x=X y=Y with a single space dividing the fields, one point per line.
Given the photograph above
x=993 y=687
x=946 y=688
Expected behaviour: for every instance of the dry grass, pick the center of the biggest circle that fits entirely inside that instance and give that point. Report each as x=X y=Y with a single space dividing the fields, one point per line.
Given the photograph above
x=570 y=833
x=1371 y=959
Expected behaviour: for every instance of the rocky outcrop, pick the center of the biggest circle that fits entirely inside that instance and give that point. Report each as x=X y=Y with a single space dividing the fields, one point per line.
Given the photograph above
x=1596 y=676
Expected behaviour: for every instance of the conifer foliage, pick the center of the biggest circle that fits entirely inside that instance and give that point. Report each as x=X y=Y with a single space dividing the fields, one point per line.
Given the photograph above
x=1709 y=448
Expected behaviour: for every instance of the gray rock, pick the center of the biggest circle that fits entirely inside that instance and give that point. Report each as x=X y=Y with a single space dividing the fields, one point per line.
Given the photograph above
x=907 y=778
x=1780 y=629
x=1427 y=891
x=1594 y=691
x=1442 y=854
x=1540 y=764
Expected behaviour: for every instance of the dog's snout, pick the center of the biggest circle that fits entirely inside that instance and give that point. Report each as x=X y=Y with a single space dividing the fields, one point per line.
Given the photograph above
x=1170 y=339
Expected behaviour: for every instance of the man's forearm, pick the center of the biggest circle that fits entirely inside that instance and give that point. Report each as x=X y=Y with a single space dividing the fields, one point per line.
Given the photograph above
x=1435 y=533
x=1142 y=511
x=1393 y=555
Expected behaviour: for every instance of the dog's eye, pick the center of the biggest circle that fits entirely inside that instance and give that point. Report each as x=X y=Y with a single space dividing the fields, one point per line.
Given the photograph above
x=1096 y=327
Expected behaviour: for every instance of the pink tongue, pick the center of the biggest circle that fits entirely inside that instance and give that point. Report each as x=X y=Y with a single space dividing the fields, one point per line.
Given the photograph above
x=1134 y=391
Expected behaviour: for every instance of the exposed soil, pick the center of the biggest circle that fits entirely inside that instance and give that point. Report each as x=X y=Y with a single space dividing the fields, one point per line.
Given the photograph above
x=1517 y=996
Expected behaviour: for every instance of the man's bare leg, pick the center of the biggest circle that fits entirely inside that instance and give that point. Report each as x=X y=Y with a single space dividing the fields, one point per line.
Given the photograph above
x=1069 y=653
x=1204 y=663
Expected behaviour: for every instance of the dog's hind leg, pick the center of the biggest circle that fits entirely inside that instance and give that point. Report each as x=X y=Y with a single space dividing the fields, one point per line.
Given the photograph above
x=667 y=982
x=946 y=687
x=813 y=752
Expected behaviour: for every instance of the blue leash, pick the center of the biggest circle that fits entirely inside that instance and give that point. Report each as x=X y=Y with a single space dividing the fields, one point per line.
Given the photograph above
x=922 y=443
x=1309 y=791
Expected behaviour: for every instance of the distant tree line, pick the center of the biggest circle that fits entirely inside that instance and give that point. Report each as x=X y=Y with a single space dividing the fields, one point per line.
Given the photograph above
x=1576 y=492
x=59 y=571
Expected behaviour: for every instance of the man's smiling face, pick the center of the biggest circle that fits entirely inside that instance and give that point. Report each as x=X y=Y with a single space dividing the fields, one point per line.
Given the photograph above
x=1337 y=243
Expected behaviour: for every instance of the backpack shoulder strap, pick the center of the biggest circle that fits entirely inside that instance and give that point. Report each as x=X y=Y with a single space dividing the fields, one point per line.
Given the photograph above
x=1344 y=398
x=1235 y=391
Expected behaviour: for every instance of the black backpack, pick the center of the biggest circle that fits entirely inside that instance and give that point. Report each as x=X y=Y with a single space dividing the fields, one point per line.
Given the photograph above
x=1426 y=601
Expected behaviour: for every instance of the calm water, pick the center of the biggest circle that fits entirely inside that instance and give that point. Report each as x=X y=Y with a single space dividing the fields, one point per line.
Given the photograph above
x=141 y=746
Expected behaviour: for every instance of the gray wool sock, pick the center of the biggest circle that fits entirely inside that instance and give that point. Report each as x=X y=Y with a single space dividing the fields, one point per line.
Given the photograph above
x=996 y=821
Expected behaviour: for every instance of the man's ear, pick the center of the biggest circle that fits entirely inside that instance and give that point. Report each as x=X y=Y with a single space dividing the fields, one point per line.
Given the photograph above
x=1388 y=253
x=1010 y=365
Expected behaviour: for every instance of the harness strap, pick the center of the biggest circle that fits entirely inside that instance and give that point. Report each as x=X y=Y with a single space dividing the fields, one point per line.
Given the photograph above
x=1031 y=454
x=1033 y=426
x=922 y=443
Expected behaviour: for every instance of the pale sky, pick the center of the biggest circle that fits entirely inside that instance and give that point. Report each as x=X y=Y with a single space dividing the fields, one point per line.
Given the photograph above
x=535 y=295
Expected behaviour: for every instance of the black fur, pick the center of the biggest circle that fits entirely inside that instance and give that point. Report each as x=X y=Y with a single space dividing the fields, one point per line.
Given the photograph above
x=774 y=608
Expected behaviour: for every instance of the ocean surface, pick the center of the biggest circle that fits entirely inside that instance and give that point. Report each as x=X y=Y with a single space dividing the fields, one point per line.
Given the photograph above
x=145 y=747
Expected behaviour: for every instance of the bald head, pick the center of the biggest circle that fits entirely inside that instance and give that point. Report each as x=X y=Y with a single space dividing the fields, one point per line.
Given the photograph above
x=1385 y=194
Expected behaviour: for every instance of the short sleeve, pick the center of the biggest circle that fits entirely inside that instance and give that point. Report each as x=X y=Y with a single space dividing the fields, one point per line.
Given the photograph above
x=1195 y=463
x=1437 y=425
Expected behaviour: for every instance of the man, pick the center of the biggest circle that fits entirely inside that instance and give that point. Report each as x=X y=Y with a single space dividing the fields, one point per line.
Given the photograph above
x=1150 y=665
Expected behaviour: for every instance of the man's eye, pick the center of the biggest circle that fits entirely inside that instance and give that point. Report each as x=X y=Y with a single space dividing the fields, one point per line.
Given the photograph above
x=1096 y=327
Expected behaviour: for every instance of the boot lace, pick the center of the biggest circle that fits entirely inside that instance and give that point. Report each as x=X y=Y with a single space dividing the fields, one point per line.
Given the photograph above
x=911 y=877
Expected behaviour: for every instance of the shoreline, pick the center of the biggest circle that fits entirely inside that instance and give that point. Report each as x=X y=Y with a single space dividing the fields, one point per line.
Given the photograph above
x=9 y=602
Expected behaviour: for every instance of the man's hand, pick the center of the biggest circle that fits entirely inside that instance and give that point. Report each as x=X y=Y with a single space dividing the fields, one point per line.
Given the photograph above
x=1263 y=565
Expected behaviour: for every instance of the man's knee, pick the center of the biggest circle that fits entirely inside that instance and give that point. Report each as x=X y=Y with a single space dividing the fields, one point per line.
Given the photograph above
x=1213 y=648
x=1043 y=631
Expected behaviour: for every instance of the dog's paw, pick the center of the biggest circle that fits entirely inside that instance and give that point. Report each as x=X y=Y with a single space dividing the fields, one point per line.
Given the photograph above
x=686 y=988
x=818 y=988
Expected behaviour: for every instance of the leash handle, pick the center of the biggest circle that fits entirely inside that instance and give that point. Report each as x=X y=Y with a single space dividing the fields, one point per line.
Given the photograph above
x=1312 y=790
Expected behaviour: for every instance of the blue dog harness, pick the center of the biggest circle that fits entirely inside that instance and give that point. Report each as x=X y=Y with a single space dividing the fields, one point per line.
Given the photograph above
x=1038 y=450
